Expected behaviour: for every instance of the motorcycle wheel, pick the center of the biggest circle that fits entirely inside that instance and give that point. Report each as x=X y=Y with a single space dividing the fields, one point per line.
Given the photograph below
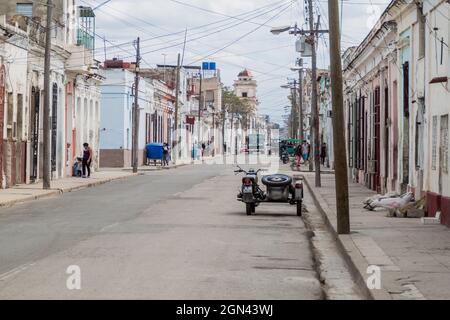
x=248 y=209
x=299 y=208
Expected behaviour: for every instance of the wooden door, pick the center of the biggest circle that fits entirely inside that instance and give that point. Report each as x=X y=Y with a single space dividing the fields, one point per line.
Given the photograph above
x=376 y=117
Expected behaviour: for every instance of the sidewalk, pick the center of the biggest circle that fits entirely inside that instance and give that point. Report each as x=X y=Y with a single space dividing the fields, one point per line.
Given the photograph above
x=414 y=258
x=151 y=167
x=23 y=193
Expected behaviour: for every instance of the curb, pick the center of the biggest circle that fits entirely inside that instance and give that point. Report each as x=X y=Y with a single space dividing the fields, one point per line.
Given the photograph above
x=356 y=262
x=55 y=192
x=157 y=168
x=48 y=194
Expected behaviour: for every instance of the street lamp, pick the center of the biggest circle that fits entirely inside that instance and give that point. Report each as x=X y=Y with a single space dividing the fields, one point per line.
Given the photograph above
x=312 y=33
x=278 y=30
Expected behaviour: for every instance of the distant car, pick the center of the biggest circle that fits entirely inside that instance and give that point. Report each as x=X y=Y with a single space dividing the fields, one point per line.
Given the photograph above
x=244 y=150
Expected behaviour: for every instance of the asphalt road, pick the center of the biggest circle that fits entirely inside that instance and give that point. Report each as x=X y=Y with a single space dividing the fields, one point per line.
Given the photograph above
x=176 y=234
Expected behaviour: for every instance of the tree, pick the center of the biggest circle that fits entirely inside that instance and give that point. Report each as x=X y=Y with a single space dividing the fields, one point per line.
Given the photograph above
x=235 y=106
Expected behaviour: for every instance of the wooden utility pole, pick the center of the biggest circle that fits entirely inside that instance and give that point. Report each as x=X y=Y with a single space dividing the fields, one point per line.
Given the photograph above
x=315 y=111
x=294 y=111
x=175 y=142
x=340 y=157
x=200 y=105
x=46 y=174
x=300 y=99
x=135 y=137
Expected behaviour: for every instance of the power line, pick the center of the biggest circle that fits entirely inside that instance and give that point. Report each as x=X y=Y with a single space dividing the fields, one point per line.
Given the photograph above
x=244 y=35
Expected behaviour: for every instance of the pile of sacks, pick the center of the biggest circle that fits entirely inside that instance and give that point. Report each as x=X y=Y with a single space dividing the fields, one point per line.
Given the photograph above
x=398 y=205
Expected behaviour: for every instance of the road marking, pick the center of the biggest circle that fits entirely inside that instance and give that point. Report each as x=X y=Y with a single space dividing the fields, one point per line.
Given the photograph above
x=15 y=271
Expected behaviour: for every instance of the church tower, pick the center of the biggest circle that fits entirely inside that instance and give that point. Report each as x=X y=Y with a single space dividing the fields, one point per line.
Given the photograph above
x=245 y=88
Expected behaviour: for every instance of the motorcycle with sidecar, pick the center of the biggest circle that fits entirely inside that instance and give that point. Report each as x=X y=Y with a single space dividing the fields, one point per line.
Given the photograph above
x=280 y=188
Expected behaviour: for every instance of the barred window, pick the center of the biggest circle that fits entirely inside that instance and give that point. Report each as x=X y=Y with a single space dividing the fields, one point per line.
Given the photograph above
x=434 y=143
x=444 y=143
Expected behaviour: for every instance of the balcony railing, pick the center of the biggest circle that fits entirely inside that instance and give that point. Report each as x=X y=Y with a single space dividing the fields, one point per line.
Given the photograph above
x=85 y=39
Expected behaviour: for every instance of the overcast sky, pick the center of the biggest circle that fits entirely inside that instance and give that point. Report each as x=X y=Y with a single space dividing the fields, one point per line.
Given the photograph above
x=246 y=37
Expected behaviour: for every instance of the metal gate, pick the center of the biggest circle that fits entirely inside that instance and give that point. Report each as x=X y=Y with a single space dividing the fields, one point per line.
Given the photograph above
x=54 y=124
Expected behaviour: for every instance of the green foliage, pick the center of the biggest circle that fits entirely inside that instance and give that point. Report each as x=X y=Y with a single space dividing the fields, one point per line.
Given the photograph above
x=235 y=106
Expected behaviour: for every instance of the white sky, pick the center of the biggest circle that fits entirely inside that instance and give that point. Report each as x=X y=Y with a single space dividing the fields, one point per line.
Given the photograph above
x=269 y=57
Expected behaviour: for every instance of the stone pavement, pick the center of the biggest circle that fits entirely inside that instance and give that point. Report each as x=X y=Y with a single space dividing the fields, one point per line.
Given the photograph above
x=414 y=258
x=22 y=193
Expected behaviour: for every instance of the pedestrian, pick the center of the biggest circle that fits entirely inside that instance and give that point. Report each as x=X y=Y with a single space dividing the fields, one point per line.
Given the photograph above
x=298 y=154
x=323 y=153
x=87 y=159
x=305 y=150
x=165 y=154
x=203 y=149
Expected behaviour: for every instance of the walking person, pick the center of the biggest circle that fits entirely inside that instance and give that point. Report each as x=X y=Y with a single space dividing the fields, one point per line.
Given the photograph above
x=305 y=150
x=165 y=154
x=203 y=149
x=87 y=160
x=298 y=155
x=323 y=153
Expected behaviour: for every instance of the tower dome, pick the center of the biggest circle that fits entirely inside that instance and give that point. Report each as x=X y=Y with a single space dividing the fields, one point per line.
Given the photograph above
x=246 y=73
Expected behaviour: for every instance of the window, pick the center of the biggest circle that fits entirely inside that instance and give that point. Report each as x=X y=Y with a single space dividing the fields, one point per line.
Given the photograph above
x=419 y=133
x=20 y=128
x=444 y=144
x=434 y=143
x=244 y=95
x=24 y=9
x=209 y=96
x=10 y=124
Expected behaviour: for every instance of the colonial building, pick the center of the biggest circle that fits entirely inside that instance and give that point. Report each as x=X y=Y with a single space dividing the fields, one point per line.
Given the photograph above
x=396 y=95
x=245 y=87
x=116 y=127
x=325 y=118
x=74 y=80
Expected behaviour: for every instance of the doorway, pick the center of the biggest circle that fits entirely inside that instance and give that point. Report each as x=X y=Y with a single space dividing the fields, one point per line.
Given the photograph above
x=54 y=125
x=443 y=151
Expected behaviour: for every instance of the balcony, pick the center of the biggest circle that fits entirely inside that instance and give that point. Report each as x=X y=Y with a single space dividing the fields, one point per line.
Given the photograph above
x=81 y=59
x=85 y=39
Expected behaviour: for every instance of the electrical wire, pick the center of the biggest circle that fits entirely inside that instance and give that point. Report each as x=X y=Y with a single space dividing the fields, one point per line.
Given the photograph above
x=243 y=36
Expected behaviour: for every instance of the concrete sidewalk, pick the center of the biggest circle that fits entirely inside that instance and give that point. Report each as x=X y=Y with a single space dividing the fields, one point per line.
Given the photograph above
x=414 y=258
x=23 y=193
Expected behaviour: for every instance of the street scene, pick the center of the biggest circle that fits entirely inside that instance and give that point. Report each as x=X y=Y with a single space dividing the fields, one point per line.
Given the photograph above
x=196 y=150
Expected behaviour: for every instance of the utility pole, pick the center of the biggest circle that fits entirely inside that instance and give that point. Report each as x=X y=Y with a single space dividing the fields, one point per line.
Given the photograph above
x=300 y=98
x=213 y=135
x=104 y=46
x=340 y=157
x=47 y=142
x=200 y=105
x=135 y=142
x=177 y=132
x=294 y=110
x=315 y=111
